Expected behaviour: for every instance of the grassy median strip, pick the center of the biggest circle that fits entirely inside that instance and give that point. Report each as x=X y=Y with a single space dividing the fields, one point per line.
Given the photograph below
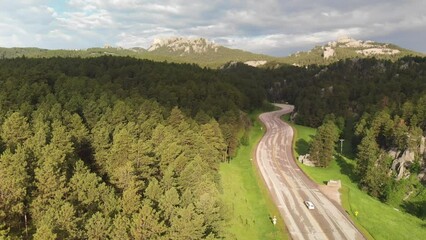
x=249 y=206
x=378 y=220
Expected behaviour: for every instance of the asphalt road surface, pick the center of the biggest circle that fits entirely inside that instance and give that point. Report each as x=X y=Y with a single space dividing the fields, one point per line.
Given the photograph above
x=290 y=187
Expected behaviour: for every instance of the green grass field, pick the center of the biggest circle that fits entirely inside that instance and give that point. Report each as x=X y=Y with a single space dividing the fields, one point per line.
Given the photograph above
x=377 y=220
x=249 y=204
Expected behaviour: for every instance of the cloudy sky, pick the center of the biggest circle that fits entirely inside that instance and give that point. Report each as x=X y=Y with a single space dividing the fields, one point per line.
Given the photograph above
x=276 y=27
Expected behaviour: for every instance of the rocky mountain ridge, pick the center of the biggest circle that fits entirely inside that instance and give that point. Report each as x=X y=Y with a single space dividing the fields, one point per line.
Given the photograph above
x=366 y=48
x=348 y=48
x=209 y=54
x=184 y=45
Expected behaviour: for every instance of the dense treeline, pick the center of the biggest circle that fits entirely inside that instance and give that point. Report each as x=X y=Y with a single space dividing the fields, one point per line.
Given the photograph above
x=348 y=88
x=116 y=148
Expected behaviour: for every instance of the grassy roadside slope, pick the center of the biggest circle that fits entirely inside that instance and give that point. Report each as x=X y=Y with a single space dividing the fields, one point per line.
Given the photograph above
x=378 y=220
x=249 y=206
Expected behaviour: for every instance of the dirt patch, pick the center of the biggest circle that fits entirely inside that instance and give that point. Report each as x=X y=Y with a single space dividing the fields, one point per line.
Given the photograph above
x=332 y=192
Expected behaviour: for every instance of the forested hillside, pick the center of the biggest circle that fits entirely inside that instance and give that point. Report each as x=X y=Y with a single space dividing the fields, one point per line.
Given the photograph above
x=108 y=147
x=349 y=88
x=116 y=148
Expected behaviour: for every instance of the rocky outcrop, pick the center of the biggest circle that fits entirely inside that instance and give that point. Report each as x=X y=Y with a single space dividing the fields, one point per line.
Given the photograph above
x=378 y=51
x=255 y=63
x=422 y=175
x=349 y=42
x=328 y=52
x=404 y=159
x=365 y=48
x=184 y=45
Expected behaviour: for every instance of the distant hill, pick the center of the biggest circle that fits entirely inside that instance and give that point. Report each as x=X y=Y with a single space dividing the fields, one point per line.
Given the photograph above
x=208 y=54
x=180 y=50
x=346 y=47
x=202 y=51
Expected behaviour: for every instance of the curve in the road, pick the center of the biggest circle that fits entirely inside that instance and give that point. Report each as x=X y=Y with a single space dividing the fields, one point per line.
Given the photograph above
x=290 y=187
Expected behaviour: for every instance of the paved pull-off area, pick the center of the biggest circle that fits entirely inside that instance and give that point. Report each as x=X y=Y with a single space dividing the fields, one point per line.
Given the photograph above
x=290 y=187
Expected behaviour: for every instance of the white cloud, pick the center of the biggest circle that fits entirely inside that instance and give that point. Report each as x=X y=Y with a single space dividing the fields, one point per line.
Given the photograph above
x=56 y=33
x=86 y=20
x=268 y=26
x=143 y=38
x=129 y=40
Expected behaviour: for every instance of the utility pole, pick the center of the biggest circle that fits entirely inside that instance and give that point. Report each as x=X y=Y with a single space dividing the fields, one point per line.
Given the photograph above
x=341 y=145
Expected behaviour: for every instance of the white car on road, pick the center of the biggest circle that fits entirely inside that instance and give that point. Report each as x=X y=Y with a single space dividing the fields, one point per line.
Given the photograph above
x=309 y=205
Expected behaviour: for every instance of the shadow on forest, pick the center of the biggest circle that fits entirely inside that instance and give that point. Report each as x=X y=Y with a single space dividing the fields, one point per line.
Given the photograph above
x=302 y=147
x=417 y=209
x=346 y=168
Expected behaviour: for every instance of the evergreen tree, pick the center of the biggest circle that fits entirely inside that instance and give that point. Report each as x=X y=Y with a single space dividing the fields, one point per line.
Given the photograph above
x=153 y=191
x=50 y=186
x=98 y=227
x=45 y=232
x=186 y=224
x=322 y=146
x=169 y=202
x=213 y=135
x=15 y=130
x=144 y=162
x=147 y=224
x=119 y=163
x=120 y=228
x=14 y=184
x=131 y=199
x=4 y=231
x=86 y=190
x=372 y=167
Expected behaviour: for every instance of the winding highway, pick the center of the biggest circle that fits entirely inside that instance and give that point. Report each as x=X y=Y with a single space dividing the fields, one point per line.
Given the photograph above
x=290 y=187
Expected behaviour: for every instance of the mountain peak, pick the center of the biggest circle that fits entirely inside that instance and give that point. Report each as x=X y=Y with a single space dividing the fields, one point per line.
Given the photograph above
x=365 y=48
x=346 y=47
x=183 y=45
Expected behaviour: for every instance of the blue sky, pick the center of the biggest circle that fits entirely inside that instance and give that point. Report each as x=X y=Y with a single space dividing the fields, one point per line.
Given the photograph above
x=269 y=26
